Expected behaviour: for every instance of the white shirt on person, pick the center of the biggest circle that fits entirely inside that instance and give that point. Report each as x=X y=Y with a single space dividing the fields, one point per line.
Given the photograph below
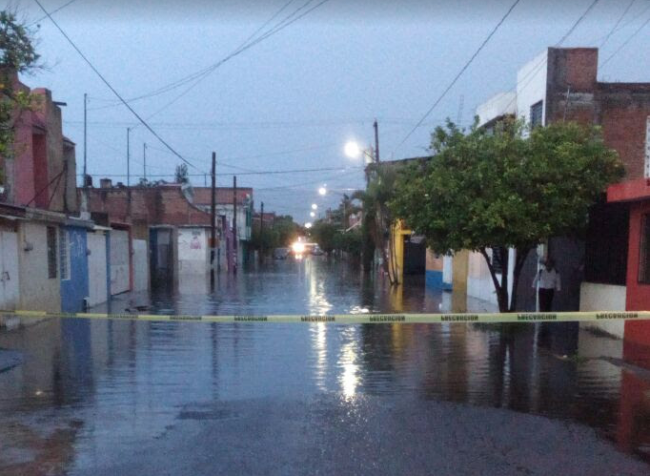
x=547 y=279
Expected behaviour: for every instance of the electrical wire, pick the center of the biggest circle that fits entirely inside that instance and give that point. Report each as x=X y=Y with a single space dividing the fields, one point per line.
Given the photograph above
x=198 y=76
x=460 y=73
x=533 y=71
x=250 y=45
x=625 y=43
x=615 y=27
x=67 y=4
x=105 y=81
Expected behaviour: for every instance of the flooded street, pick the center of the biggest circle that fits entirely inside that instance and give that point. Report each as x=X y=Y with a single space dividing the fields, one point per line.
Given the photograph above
x=115 y=397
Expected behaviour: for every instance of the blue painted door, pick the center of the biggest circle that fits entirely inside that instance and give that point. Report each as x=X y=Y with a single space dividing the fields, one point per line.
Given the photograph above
x=73 y=267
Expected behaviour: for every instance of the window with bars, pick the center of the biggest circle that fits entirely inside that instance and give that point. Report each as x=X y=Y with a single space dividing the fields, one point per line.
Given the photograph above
x=64 y=250
x=644 y=251
x=51 y=252
x=536 y=114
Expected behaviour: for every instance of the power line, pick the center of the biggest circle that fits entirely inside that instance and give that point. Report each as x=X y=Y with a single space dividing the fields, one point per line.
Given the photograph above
x=198 y=76
x=105 y=81
x=534 y=70
x=70 y=2
x=460 y=73
x=257 y=172
x=626 y=42
x=575 y=25
x=615 y=27
x=236 y=53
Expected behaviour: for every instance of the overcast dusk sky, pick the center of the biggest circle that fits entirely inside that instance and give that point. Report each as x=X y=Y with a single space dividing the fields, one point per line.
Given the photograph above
x=294 y=99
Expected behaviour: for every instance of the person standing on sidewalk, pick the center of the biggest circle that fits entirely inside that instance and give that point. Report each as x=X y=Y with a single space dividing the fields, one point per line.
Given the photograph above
x=547 y=282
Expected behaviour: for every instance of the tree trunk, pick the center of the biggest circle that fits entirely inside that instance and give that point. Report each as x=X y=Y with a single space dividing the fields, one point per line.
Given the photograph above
x=519 y=264
x=502 y=293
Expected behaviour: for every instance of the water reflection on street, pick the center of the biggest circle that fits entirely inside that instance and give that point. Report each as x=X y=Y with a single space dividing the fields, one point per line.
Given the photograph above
x=87 y=393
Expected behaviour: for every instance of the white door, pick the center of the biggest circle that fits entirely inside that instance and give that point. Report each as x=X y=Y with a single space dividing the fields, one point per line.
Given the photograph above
x=97 y=268
x=8 y=270
x=120 y=259
x=140 y=266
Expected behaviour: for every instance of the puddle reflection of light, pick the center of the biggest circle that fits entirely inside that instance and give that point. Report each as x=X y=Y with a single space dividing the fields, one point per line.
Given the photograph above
x=318 y=303
x=319 y=342
x=348 y=361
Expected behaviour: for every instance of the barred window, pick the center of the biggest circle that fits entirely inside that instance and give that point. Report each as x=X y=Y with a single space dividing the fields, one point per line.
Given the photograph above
x=51 y=252
x=537 y=114
x=64 y=247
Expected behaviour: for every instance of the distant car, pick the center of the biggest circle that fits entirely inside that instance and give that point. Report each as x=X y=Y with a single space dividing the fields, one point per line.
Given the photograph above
x=317 y=251
x=280 y=253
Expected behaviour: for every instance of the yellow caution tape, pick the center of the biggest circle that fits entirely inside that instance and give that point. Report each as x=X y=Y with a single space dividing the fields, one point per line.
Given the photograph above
x=407 y=318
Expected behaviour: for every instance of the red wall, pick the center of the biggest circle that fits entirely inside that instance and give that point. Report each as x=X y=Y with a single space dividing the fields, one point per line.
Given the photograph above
x=638 y=295
x=163 y=205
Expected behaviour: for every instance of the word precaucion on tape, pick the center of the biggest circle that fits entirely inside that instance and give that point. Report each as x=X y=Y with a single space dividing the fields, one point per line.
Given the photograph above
x=406 y=318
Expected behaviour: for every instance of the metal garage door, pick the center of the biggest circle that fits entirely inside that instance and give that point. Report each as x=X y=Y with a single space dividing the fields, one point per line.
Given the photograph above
x=120 y=260
x=8 y=270
x=97 y=268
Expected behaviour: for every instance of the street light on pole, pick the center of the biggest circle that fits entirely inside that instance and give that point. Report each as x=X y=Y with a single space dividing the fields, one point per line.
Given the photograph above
x=322 y=191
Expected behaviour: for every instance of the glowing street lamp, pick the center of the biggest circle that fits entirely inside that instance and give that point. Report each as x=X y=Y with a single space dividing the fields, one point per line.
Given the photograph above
x=322 y=191
x=308 y=225
x=312 y=214
x=314 y=206
x=352 y=149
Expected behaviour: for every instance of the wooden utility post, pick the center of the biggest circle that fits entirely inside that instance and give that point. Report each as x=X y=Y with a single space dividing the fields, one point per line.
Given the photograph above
x=144 y=160
x=213 y=216
x=234 y=222
x=128 y=172
x=376 y=126
x=85 y=178
x=262 y=233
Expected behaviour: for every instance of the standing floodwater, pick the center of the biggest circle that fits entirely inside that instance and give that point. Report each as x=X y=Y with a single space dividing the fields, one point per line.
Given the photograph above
x=116 y=397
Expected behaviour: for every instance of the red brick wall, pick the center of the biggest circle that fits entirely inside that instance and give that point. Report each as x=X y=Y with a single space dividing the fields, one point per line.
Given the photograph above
x=164 y=205
x=621 y=109
x=623 y=116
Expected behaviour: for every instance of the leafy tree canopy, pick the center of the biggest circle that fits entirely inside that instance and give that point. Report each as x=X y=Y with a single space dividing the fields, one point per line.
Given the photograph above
x=505 y=188
x=181 y=175
x=498 y=189
x=17 y=48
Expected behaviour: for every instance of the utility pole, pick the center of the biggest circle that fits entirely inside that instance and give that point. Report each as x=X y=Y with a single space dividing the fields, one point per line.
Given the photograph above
x=376 y=126
x=213 y=215
x=85 y=179
x=128 y=171
x=234 y=221
x=262 y=233
x=144 y=159
x=128 y=156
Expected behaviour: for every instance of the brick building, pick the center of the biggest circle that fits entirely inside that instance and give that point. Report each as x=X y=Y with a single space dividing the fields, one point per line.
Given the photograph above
x=44 y=242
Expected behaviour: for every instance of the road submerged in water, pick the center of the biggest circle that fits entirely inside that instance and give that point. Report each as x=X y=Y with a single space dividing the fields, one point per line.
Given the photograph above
x=140 y=398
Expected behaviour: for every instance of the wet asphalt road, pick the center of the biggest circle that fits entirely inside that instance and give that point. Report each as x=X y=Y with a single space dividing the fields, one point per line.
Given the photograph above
x=138 y=398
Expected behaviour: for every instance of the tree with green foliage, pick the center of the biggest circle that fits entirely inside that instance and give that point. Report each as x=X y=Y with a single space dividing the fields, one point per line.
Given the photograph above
x=279 y=234
x=324 y=234
x=17 y=55
x=182 y=174
x=503 y=188
x=377 y=215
